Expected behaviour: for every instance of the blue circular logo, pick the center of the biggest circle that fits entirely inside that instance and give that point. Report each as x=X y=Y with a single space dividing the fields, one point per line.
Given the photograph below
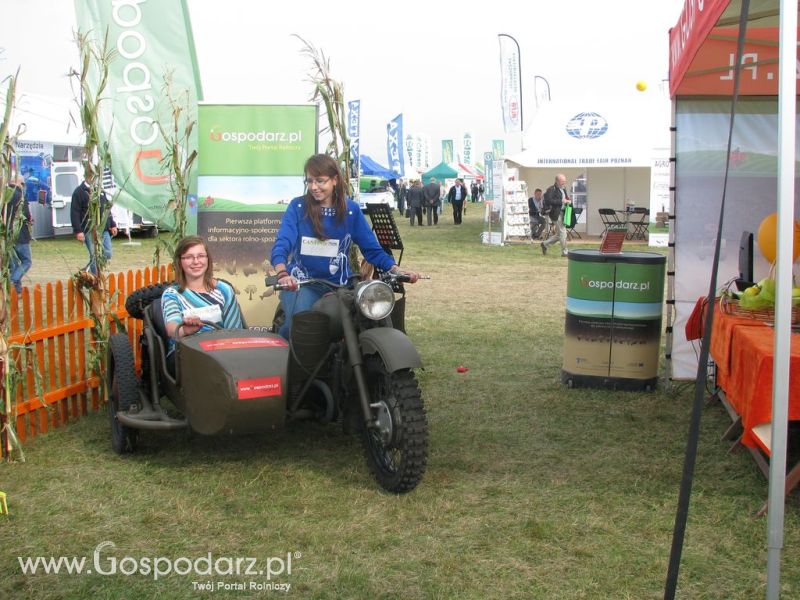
x=587 y=125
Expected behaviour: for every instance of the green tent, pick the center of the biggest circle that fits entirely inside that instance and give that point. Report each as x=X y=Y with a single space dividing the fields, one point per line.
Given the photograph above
x=441 y=172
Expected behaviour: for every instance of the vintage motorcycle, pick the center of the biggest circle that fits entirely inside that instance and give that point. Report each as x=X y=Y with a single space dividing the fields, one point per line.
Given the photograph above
x=348 y=360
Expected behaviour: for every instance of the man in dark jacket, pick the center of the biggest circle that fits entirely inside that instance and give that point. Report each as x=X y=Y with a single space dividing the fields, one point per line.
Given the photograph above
x=432 y=192
x=555 y=199
x=21 y=260
x=79 y=215
x=416 y=199
x=456 y=196
x=535 y=208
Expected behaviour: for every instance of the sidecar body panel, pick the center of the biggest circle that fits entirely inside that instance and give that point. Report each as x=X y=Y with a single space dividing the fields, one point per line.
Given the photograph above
x=394 y=348
x=233 y=381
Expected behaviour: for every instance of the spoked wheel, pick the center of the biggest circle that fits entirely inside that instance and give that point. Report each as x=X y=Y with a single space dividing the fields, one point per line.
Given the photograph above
x=122 y=392
x=397 y=450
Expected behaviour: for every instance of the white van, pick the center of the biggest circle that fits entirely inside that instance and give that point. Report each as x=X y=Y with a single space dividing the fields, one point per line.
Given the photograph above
x=66 y=177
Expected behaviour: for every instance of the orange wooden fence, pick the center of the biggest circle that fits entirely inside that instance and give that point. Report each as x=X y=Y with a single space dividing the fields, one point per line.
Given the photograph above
x=55 y=323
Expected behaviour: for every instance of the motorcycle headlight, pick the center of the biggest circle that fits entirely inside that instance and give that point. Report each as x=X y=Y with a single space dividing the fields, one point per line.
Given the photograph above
x=375 y=300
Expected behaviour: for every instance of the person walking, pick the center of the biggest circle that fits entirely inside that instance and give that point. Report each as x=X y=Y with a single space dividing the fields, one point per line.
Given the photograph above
x=79 y=215
x=416 y=199
x=555 y=199
x=21 y=259
x=431 y=192
x=473 y=191
x=456 y=196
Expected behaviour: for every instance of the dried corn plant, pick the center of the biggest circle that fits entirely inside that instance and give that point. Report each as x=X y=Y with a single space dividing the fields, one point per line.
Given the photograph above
x=92 y=80
x=11 y=355
x=178 y=163
x=331 y=93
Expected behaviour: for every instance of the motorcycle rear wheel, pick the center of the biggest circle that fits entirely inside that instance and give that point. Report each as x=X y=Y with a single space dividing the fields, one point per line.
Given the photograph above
x=397 y=451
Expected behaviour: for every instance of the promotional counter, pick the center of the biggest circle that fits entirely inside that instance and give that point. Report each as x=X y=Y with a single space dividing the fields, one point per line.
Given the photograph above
x=612 y=332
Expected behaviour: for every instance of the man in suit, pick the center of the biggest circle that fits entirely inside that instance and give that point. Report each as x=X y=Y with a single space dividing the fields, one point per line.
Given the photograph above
x=555 y=199
x=415 y=198
x=432 y=201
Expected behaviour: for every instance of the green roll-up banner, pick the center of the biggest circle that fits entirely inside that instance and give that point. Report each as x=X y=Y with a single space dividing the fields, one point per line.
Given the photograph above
x=251 y=160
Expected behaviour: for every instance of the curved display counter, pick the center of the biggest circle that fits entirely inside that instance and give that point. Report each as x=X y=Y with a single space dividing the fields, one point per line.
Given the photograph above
x=612 y=332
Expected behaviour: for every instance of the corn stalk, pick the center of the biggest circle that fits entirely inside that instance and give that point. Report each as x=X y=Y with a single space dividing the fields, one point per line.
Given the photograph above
x=93 y=288
x=177 y=163
x=10 y=354
x=330 y=92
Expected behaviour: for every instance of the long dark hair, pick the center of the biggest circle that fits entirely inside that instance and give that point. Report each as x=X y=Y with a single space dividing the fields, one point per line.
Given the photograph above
x=322 y=165
x=181 y=249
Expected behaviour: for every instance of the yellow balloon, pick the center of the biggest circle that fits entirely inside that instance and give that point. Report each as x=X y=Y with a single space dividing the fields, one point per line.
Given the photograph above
x=768 y=238
x=641 y=86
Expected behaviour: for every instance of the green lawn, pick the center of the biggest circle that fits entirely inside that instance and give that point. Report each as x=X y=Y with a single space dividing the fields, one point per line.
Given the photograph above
x=533 y=490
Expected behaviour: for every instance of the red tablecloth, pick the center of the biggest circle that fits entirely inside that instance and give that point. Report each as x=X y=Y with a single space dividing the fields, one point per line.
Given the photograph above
x=743 y=351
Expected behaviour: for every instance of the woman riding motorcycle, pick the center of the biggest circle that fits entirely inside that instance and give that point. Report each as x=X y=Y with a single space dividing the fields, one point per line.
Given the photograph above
x=315 y=237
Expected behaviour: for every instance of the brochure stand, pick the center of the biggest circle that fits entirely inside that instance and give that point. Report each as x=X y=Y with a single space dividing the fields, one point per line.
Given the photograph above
x=612 y=239
x=385 y=228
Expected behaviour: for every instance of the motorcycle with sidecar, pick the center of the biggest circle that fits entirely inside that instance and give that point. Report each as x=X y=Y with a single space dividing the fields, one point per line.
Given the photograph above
x=348 y=360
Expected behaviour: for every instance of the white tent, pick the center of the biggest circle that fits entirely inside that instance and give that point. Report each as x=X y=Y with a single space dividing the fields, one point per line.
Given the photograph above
x=46 y=119
x=614 y=145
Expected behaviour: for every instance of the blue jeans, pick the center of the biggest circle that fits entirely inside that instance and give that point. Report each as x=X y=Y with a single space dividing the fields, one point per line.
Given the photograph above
x=87 y=239
x=20 y=263
x=295 y=302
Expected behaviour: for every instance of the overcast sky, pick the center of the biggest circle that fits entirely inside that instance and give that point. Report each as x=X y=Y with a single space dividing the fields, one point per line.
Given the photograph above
x=435 y=62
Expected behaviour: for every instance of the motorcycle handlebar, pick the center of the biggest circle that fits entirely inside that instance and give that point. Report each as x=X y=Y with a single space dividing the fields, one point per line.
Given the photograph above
x=387 y=277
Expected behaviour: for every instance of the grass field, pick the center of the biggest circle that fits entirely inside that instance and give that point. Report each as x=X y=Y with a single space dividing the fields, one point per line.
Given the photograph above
x=533 y=490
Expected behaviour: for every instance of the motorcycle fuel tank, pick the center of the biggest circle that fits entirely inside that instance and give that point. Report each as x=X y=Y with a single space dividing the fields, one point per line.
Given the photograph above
x=234 y=381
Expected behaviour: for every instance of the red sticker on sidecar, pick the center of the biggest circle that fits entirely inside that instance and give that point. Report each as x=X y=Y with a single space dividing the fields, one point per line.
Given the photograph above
x=259 y=388
x=251 y=342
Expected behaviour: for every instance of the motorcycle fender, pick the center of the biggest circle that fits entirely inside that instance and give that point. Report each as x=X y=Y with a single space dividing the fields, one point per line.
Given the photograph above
x=394 y=348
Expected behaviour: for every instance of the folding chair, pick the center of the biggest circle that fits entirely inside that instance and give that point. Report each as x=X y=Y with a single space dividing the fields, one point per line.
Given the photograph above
x=639 y=222
x=571 y=233
x=609 y=217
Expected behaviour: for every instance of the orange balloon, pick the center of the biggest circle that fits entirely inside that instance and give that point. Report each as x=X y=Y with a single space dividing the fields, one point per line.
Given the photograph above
x=768 y=238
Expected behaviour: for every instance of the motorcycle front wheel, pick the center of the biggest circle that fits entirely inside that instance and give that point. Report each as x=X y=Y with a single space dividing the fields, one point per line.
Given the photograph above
x=397 y=450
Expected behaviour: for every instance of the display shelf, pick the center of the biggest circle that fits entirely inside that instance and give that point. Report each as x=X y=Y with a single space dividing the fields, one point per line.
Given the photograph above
x=516 y=221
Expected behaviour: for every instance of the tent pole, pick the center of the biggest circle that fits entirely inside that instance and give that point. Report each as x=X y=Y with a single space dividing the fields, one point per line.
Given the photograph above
x=787 y=86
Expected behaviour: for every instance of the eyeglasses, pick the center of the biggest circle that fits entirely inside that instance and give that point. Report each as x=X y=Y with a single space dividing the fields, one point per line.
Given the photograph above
x=194 y=257
x=318 y=181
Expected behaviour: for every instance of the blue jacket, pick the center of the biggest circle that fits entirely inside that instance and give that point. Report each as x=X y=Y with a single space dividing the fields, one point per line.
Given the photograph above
x=306 y=257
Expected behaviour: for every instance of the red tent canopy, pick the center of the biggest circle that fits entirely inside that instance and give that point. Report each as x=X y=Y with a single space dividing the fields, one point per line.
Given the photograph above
x=702 y=46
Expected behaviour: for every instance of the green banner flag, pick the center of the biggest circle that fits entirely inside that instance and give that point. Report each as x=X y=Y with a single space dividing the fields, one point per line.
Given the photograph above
x=498 y=149
x=447 y=151
x=151 y=40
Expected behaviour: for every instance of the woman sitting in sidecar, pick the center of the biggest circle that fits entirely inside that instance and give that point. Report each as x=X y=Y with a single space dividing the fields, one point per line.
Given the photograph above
x=196 y=296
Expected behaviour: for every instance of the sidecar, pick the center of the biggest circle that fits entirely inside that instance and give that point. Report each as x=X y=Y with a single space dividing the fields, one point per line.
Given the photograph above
x=219 y=382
